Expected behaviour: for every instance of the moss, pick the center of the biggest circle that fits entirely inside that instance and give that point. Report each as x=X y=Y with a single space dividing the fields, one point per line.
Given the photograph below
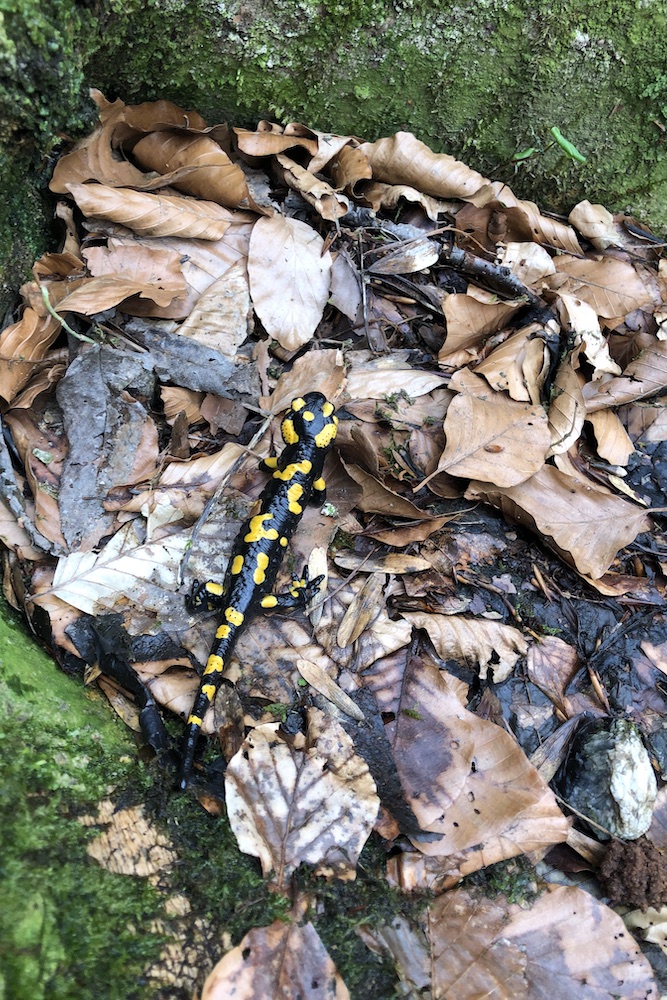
x=515 y=879
x=68 y=930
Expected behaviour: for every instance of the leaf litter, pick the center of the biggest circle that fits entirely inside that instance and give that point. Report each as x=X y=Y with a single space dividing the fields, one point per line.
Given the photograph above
x=494 y=523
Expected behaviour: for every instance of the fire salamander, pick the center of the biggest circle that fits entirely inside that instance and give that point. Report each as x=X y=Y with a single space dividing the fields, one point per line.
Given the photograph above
x=308 y=430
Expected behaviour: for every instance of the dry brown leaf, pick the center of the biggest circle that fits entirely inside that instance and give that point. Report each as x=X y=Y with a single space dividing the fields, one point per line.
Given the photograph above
x=286 y=255
x=288 y=806
x=397 y=563
x=490 y=437
x=22 y=344
x=580 y=319
x=523 y=219
x=285 y=960
x=516 y=366
x=565 y=945
x=387 y=196
x=320 y=681
x=612 y=441
x=212 y=175
x=153 y=214
x=567 y=410
x=378 y=498
x=325 y=200
x=469 y=324
x=527 y=261
x=403 y=159
x=482 y=645
x=349 y=166
x=612 y=287
x=159 y=271
x=221 y=318
x=416 y=255
x=585 y=526
x=274 y=140
x=364 y=609
x=388 y=377
x=644 y=376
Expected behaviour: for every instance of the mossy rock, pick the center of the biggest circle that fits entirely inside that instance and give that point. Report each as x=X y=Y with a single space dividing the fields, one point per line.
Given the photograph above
x=482 y=79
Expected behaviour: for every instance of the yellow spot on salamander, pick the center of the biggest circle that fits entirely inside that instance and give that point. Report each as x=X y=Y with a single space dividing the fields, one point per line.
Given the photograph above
x=256 y=529
x=327 y=409
x=288 y=431
x=298 y=404
x=214 y=664
x=194 y=720
x=308 y=415
x=271 y=463
x=283 y=542
x=269 y=601
x=324 y=438
x=237 y=565
x=294 y=494
x=259 y=576
x=208 y=690
x=222 y=632
x=319 y=485
x=290 y=471
x=213 y=588
x=233 y=617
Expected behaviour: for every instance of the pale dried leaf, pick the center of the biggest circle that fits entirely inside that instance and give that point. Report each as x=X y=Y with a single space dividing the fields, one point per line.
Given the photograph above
x=585 y=526
x=286 y=255
x=470 y=322
x=597 y=224
x=527 y=261
x=221 y=317
x=482 y=645
x=644 y=376
x=387 y=196
x=523 y=219
x=397 y=563
x=21 y=345
x=289 y=806
x=283 y=960
x=581 y=319
x=612 y=287
x=612 y=441
x=149 y=214
x=322 y=683
x=362 y=612
x=417 y=255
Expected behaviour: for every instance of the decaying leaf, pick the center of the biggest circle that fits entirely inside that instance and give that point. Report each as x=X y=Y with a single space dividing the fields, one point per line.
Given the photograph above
x=130 y=845
x=287 y=806
x=584 y=525
x=482 y=645
x=283 y=960
x=286 y=255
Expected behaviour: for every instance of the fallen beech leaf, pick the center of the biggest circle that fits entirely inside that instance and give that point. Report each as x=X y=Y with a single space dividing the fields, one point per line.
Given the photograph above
x=581 y=319
x=567 y=410
x=379 y=498
x=212 y=175
x=288 y=806
x=383 y=380
x=21 y=345
x=282 y=960
x=157 y=272
x=328 y=203
x=612 y=287
x=221 y=318
x=584 y=525
x=493 y=438
x=321 y=682
x=644 y=376
x=565 y=944
x=403 y=159
x=511 y=367
x=286 y=255
x=397 y=563
x=470 y=322
x=523 y=218
x=480 y=644
x=363 y=610
x=528 y=261
x=153 y=214
x=417 y=255
x=597 y=224
x=612 y=441
x=378 y=196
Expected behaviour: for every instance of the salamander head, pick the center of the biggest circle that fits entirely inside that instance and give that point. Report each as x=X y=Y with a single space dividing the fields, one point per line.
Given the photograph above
x=310 y=417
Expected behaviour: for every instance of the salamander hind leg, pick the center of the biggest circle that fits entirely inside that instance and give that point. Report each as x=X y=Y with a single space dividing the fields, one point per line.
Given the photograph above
x=301 y=592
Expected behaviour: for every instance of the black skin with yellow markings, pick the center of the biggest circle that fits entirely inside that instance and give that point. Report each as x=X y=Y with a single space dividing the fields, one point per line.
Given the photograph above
x=308 y=430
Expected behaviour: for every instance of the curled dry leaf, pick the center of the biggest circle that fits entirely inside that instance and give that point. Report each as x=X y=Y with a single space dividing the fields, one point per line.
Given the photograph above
x=285 y=256
x=646 y=374
x=528 y=261
x=403 y=159
x=581 y=319
x=288 y=806
x=212 y=175
x=362 y=612
x=518 y=365
x=612 y=287
x=523 y=219
x=321 y=682
x=565 y=944
x=469 y=323
x=152 y=214
x=328 y=203
x=567 y=410
x=21 y=345
x=586 y=526
x=282 y=960
x=221 y=318
x=597 y=224
x=480 y=644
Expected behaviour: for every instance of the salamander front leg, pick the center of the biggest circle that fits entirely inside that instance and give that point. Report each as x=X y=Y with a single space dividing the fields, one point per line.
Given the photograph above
x=209 y=596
